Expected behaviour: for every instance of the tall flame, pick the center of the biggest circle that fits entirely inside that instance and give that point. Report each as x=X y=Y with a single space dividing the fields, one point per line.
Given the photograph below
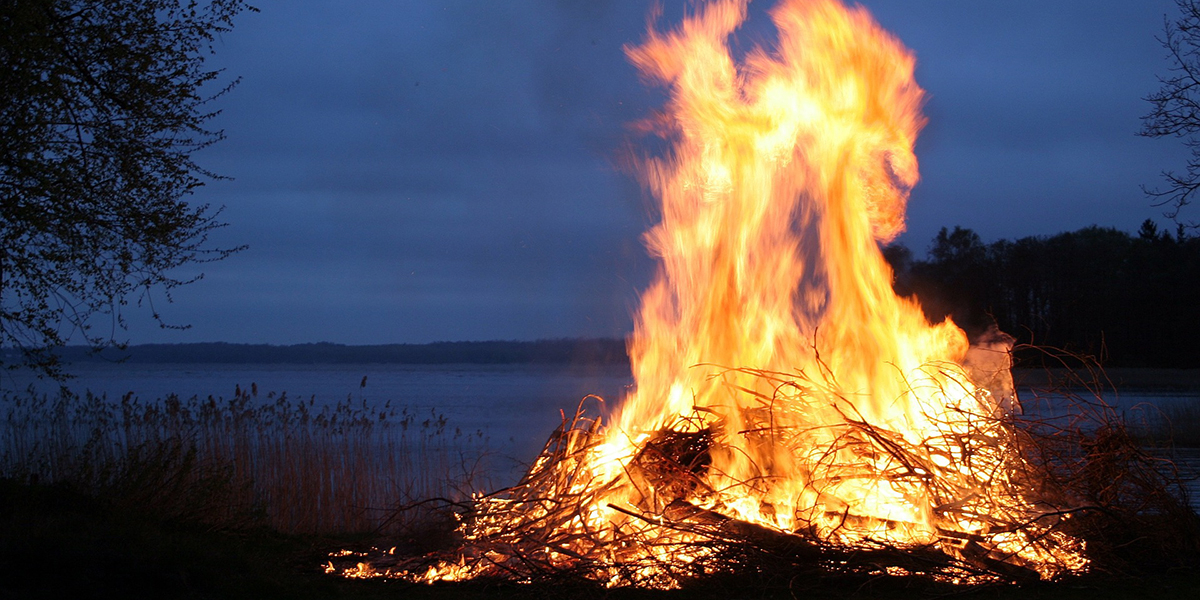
x=785 y=176
x=816 y=400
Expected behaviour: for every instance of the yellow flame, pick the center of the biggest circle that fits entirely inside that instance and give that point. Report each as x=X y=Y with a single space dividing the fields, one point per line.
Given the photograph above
x=830 y=405
x=786 y=174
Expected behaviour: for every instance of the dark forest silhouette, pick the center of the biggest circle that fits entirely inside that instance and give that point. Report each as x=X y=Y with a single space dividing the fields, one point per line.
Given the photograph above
x=1127 y=300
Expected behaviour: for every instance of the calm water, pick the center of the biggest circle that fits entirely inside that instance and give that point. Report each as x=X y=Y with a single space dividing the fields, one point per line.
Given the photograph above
x=515 y=406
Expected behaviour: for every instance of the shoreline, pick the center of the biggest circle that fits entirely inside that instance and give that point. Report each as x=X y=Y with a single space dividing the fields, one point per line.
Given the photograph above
x=1122 y=379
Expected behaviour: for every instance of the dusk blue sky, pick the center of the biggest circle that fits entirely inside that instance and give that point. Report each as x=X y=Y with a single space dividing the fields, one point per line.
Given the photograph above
x=422 y=170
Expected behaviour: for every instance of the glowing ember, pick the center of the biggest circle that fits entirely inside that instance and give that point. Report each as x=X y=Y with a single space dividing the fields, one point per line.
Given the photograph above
x=785 y=397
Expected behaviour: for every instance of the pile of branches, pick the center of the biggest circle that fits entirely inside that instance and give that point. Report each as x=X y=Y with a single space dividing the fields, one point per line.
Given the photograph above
x=1139 y=518
x=1093 y=481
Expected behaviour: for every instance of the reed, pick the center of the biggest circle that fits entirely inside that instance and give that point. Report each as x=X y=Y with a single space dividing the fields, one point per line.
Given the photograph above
x=1174 y=424
x=293 y=465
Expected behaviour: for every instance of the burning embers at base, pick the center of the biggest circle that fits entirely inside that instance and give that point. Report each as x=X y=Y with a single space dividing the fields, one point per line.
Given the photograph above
x=789 y=407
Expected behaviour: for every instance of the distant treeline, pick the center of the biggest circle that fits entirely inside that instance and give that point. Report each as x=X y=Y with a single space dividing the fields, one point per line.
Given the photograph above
x=562 y=351
x=1128 y=300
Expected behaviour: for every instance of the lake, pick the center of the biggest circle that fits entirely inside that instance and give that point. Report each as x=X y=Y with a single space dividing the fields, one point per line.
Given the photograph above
x=515 y=406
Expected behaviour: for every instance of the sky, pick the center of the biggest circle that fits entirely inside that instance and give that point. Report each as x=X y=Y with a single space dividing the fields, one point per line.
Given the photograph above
x=408 y=171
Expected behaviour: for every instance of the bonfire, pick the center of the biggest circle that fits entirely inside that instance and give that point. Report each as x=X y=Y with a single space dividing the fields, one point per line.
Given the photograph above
x=789 y=407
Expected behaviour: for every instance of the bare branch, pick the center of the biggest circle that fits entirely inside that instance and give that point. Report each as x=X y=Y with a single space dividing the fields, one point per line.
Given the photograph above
x=101 y=108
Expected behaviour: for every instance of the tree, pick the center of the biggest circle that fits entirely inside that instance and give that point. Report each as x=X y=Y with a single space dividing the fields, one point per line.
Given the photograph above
x=102 y=104
x=1176 y=108
x=1129 y=300
x=959 y=263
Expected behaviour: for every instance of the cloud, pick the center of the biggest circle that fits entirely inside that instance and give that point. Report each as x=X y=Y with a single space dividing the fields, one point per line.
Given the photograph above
x=412 y=171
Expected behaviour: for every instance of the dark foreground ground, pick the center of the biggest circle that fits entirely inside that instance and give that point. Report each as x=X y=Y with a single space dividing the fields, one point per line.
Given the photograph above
x=56 y=543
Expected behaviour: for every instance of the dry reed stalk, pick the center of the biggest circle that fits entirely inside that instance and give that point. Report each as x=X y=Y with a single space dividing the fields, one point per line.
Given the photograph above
x=339 y=468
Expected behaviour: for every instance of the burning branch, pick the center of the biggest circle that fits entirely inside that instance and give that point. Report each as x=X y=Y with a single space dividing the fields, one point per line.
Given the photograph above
x=859 y=438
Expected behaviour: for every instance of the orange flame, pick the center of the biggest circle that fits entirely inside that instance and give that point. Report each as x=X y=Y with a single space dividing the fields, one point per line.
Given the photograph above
x=826 y=404
x=784 y=178
x=786 y=174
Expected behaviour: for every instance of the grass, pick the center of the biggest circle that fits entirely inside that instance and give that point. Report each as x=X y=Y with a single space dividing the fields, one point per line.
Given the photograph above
x=246 y=461
x=214 y=498
x=1169 y=425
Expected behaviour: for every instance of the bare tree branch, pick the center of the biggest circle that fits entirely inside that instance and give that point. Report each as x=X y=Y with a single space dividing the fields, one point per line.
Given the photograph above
x=1176 y=110
x=102 y=103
